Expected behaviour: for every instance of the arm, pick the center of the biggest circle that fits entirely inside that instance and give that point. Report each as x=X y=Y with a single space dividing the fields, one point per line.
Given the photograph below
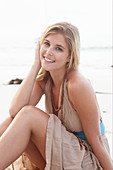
x=27 y=92
x=83 y=100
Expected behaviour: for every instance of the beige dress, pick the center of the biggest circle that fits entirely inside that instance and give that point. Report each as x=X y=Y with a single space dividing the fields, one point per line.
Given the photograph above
x=63 y=149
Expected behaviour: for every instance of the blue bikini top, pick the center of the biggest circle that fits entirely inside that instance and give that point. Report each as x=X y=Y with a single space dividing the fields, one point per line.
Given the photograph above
x=81 y=134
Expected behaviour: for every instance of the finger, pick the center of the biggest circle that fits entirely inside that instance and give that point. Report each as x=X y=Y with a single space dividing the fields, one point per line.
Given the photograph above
x=38 y=45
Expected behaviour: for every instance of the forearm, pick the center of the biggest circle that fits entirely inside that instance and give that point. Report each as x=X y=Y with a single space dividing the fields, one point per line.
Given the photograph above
x=21 y=98
x=102 y=155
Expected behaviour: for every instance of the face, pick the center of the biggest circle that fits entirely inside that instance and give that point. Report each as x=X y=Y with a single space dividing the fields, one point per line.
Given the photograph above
x=54 y=52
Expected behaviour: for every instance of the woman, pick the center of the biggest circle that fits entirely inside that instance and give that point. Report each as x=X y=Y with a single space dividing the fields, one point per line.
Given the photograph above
x=70 y=133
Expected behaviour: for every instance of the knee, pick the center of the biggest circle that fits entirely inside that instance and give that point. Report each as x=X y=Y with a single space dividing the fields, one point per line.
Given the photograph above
x=28 y=111
x=25 y=114
x=27 y=108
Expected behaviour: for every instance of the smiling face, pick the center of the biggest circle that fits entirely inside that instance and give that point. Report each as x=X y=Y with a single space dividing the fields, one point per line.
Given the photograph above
x=54 y=52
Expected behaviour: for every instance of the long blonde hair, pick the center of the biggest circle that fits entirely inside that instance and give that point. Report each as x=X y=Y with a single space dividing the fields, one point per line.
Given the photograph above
x=72 y=38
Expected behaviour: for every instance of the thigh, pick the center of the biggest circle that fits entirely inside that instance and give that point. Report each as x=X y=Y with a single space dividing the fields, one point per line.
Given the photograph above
x=4 y=125
x=34 y=156
x=30 y=124
x=38 y=121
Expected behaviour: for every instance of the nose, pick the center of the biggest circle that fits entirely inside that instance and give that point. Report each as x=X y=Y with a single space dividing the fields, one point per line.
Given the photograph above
x=49 y=51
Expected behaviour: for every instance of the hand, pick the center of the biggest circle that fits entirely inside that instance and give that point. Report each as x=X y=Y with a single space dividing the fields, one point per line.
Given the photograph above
x=37 y=54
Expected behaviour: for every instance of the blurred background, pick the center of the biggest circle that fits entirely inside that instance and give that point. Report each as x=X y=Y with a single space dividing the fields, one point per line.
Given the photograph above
x=23 y=21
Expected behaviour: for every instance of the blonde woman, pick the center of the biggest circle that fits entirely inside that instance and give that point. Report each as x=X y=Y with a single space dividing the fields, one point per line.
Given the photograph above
x=70 y=134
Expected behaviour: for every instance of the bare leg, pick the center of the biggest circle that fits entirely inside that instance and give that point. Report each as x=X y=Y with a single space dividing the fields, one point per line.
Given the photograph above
x=29 y=124
x=31 y=151
x=34 y=155
x=4 y=125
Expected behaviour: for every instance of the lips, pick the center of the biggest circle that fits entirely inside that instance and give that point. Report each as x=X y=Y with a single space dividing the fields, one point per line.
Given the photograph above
x=49 y=60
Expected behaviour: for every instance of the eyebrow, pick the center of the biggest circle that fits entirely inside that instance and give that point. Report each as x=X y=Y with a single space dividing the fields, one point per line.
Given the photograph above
x=58 y=45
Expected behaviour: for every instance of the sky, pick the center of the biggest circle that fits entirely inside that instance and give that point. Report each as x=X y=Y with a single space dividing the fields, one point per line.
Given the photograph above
x=22 y=21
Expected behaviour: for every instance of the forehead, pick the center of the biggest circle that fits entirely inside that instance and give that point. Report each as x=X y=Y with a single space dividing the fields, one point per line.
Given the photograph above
x=57 y=38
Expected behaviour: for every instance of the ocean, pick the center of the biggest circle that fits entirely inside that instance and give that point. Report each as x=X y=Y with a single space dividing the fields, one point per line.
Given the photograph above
x=96 y=63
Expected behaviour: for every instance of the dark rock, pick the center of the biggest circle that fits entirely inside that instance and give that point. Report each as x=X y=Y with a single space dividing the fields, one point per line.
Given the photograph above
x=15 y=81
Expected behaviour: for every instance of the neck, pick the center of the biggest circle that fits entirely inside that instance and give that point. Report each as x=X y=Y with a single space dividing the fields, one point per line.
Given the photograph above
x=57 y=78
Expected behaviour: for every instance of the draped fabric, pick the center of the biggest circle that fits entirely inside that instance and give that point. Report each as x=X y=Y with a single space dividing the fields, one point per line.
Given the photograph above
x=64 y=150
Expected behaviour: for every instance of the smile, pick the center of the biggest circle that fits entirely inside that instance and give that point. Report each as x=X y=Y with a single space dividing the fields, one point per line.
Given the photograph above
x=49 y=60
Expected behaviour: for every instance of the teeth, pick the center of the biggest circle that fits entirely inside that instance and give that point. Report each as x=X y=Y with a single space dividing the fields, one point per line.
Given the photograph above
x=49 y=60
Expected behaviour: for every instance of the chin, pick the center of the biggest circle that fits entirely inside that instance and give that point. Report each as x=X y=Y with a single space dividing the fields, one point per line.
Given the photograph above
x=46 y=68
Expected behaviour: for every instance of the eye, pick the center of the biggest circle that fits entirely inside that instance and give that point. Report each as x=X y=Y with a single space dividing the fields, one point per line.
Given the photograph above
x=46 y=43
x=59 y=49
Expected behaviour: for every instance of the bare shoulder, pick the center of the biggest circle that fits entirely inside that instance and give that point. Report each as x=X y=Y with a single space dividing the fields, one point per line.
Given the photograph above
x=80 y=90
x=77 y=82
x=82 y=97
